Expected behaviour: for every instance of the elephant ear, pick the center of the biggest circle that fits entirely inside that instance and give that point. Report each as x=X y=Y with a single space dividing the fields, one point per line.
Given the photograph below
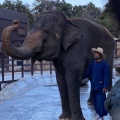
x=71 y=35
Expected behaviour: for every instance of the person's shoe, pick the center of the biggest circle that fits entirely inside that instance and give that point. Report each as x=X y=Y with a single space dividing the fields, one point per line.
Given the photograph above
x=100 y=118
x=96 y=117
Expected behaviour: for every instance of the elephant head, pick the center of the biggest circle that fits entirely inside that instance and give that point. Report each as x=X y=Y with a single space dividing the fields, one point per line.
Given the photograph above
x=50 y=32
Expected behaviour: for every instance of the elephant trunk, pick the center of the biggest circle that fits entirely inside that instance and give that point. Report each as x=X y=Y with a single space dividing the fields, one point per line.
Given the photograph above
x=30 y=46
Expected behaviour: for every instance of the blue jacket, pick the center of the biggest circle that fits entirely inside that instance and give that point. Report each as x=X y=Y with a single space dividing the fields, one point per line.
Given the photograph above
x=98 y=72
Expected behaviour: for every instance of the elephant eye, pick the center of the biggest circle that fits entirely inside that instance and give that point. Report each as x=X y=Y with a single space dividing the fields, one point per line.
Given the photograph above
x=47 y=31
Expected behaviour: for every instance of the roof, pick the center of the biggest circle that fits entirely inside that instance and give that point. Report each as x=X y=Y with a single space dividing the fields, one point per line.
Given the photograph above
x=11 y=15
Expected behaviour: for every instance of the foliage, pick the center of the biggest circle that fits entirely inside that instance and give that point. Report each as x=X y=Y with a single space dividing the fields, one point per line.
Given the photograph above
x=46 y=5
x=109 y=20
x=87 y=11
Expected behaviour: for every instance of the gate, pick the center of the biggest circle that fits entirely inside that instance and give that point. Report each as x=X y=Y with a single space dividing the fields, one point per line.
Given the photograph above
x=9 y=65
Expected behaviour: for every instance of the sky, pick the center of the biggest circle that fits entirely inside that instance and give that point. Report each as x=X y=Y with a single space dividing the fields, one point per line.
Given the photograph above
x=98 y=3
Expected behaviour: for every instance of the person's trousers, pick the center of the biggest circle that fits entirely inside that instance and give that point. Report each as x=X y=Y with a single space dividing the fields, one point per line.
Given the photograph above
x=98 y=99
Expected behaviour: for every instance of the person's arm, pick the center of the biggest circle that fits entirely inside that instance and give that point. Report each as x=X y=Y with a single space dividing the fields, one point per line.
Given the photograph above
x=106 y=78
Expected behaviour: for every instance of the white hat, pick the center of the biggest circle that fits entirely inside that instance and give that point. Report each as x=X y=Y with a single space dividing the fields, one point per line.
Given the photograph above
x=99 y=50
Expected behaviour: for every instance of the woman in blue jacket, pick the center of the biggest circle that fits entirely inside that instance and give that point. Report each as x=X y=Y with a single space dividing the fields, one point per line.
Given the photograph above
x=98 y=71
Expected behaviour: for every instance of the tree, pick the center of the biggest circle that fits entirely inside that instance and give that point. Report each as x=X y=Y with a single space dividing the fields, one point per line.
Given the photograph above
x=43 y=6
x=88 y=11
x=109 y=20
x=66 y=8
x=78 y=11
x=91 y=12
x=7 y=4
x=47 y=5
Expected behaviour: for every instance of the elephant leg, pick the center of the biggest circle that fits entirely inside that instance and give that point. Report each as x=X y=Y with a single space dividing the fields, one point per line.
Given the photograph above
x=111 y=75
x=109 y=52
x=74 y=95
x=66 y=112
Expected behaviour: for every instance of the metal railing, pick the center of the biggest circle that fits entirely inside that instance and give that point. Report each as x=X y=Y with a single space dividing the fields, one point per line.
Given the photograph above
x=9 y=66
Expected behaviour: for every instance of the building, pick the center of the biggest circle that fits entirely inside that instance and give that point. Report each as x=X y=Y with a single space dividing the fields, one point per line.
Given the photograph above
x=17 y=38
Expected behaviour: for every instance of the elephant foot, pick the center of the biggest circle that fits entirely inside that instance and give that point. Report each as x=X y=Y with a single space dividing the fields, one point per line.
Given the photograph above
x=78 y=118
x=64 y=119
x=89 y=102
x=65 y=116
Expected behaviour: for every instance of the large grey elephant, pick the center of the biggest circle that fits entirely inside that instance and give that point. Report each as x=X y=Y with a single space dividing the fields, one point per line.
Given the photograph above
x=68 y=43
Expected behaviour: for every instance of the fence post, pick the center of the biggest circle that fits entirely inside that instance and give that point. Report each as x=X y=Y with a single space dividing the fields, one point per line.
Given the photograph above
x=2 y=65
x=12 y=69
x=32 y=69
x=41 y=66
x=115 y=49
x=0 y=87
x=50 y=67
x=22 y=69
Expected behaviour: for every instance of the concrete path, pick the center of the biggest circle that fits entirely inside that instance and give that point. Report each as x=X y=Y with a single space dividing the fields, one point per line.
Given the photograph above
x=37 y=98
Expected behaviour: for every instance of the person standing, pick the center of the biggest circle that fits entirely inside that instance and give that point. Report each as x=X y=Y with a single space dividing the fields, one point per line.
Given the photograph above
x=98 y=71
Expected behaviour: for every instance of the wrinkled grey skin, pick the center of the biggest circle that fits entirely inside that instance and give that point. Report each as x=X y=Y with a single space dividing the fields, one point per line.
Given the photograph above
x=0 y=49
x=68 y=43
x=112 y=102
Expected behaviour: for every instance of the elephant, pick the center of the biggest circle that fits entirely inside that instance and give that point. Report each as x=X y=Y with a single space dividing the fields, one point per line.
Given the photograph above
x=68 y=43
x=112 y=102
